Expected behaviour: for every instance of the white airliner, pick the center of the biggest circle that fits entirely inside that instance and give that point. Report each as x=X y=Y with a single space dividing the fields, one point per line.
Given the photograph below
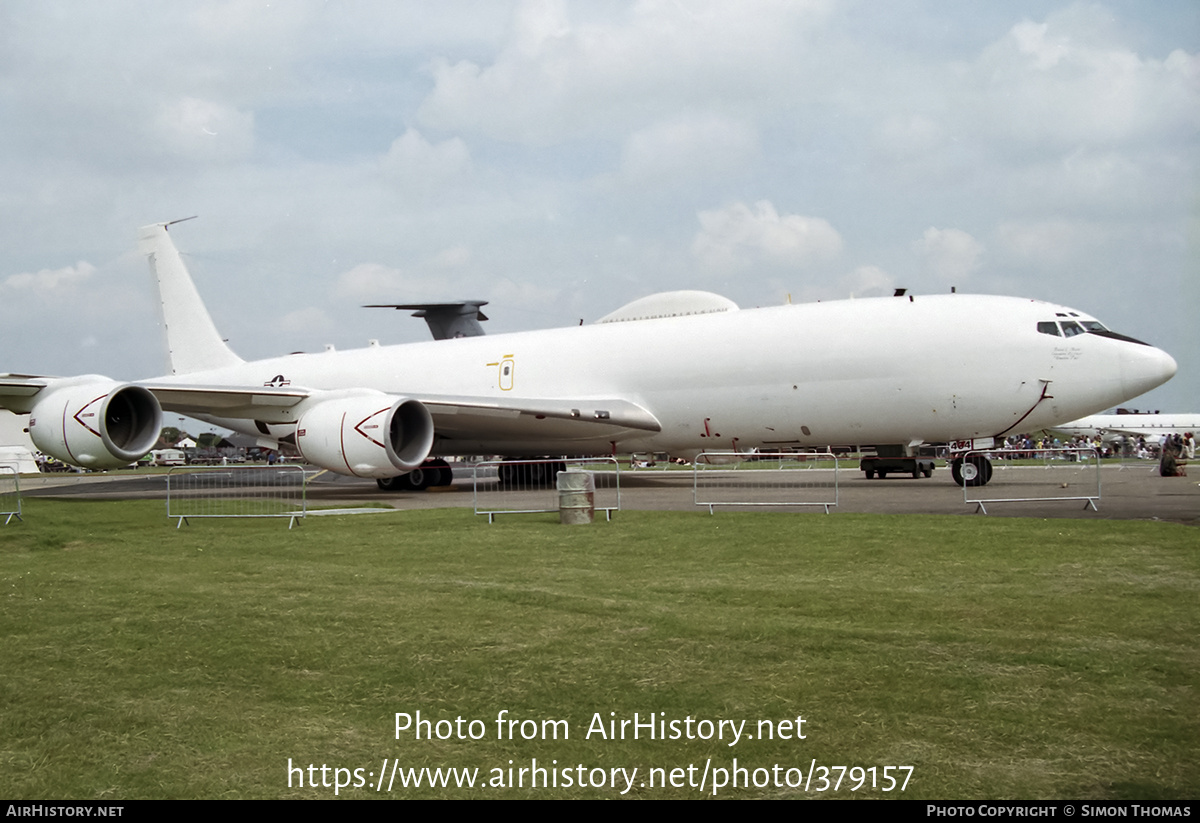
x=682 y=373
x=1113 y=426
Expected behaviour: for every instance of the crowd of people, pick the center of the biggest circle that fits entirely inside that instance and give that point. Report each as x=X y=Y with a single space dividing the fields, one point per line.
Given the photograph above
x=1174 y=446
x=1175 y=451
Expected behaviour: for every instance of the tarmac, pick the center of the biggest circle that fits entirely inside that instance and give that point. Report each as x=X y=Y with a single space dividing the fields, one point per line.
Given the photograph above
x=1131 y=490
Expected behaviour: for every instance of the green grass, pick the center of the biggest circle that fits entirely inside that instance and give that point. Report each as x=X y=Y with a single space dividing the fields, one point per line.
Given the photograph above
x=1000 y=658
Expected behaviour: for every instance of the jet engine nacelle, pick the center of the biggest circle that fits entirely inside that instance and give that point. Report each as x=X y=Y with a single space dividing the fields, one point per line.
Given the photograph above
x=95 y=422
x=364 y=434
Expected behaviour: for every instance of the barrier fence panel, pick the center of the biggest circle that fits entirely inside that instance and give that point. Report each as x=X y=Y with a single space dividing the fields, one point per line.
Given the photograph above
x=10 y=494
x=1019 y=476
x=765 y=479
x=243 y=491
x=529 y=487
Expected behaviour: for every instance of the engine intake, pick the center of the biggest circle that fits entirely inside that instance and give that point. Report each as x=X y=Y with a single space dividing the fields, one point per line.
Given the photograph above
x=365 y=434
x=95 y=422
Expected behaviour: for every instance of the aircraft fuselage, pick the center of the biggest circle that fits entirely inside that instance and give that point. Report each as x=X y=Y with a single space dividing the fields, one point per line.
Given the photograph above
x=869 y=371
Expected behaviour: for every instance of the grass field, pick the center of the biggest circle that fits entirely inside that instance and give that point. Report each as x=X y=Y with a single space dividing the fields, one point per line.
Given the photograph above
x=998 y=658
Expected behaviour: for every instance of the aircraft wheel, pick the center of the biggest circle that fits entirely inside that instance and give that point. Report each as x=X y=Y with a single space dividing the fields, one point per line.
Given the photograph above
x=974 y=471
x=440 y=473
x=529 y=475
x=513 y=474
x=417 y=480
x=916 y=472
x=929 y=471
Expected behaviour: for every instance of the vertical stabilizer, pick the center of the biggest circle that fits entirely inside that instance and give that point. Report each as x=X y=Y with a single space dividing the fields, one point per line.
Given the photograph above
x=193 y=343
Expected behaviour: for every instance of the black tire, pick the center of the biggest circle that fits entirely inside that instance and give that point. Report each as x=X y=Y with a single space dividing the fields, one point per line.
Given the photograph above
x=532 y=475
x=870 y=473
x=515 y=474
x=415 y=481
x=973 y=471
x=440 y=473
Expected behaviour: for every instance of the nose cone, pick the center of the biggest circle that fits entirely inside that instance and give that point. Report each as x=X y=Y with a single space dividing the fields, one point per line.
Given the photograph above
x=1144 y=368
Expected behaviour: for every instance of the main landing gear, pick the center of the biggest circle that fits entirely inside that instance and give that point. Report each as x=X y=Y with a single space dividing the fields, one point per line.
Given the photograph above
x=529 y=474
x=433 y=472
x=973 y=470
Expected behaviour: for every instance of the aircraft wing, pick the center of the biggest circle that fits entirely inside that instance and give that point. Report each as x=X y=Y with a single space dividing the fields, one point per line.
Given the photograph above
x=467 y=416
x=453 y=416
x=18 y=392
x=21 y=385
x=264 y=403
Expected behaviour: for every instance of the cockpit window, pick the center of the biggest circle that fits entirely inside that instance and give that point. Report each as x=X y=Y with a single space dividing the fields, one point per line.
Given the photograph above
x=1071 y=328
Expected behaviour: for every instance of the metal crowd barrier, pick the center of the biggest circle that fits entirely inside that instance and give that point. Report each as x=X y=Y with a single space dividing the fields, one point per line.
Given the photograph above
x=528 y=486
x=1054 y=474
x=10 y=494
x=765 y=479
x=242 y=491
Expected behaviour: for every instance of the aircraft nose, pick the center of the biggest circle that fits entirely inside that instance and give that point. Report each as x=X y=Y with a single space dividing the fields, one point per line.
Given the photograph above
x=1144 y=368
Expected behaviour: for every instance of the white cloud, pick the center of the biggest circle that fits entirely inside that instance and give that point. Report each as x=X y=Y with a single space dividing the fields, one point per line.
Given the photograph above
x=372 y=281
x=308 y=320
x=737 y=236
x=1048 y=244
x=909 y=135
x=688 y=148
x=951 y=255
x=868 y=281
x=205 y=129
x=376 y=283
x=49 y=281
x=529 y=296
x=455 y=257
x=1070 y=79
x=555 y=79
x=414 y=162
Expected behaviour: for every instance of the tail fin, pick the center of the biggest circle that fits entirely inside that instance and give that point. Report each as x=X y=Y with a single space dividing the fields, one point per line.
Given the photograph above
x=193 y=343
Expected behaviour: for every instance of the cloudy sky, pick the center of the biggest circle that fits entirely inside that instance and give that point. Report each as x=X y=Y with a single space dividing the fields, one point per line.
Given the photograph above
x=560 y=159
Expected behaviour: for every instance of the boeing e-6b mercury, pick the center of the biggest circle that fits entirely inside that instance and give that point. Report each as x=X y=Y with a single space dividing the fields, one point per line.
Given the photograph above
x=681 y=372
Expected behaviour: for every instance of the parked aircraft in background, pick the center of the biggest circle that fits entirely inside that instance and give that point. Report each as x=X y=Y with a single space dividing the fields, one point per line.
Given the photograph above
x=1131 y=424
x=681 y=372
